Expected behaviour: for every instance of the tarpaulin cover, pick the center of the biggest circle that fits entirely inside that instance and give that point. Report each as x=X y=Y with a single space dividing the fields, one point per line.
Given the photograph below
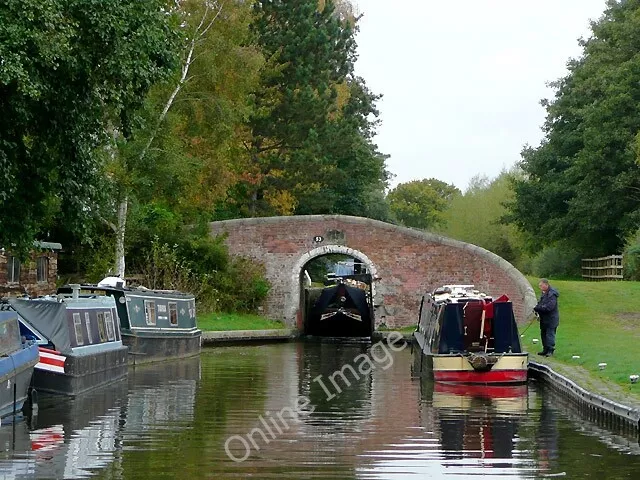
x=48 y=317
x=355 y=297
x=452 y=329
x=505 y=329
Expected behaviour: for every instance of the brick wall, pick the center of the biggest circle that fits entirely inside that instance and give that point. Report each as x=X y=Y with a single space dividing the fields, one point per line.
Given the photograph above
x=29 y=276
x=408 y=262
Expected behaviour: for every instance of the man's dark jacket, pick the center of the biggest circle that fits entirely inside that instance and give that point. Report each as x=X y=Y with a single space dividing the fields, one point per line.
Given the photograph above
x=547 y=308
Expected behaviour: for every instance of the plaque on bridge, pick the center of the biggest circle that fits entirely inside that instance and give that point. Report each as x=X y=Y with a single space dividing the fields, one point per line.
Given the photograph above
x=336 y=236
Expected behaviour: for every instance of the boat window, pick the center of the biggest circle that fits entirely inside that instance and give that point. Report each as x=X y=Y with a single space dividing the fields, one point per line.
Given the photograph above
x=42 y=274
x=77 y=322
x=103 y=336
x=87 y=322
x=108 y=320
x=150 y=312
x=13 y=269
x=173 y=313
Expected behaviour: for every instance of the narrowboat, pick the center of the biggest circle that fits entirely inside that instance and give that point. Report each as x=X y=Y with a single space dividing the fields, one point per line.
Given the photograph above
x=343 y=309
x=78 y=340
x=465 y=336
x=17 y=362
x=155 y=324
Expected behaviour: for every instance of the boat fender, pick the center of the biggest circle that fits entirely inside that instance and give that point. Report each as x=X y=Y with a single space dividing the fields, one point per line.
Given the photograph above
x=479 y=363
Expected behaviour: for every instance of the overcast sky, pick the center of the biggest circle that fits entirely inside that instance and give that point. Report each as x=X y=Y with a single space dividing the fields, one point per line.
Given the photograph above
x=462 y=80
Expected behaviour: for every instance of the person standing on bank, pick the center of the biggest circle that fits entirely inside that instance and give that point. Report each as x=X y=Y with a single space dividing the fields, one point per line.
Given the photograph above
x=547 y=309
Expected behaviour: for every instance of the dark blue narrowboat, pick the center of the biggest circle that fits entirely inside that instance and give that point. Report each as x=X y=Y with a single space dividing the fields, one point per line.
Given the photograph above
x=78 y=339
x=155 y=324
x=17 y=362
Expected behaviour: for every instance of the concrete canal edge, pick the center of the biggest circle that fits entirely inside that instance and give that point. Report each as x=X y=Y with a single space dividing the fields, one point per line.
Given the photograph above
x=225 y=337
x=594 y=407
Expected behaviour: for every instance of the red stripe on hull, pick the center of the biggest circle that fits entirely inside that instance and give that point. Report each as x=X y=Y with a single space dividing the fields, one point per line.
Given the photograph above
x=492 y=376
x=485 y=391
x=48 y=350
x=52 y=361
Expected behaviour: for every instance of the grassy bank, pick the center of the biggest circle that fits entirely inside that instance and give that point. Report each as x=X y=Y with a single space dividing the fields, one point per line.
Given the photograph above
x=236 y=321
x=409 y=329
x=600 y=322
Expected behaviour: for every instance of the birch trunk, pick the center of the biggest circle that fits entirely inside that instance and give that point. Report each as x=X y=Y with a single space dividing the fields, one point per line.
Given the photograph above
x=121 y=228
x=205 y=24
x=203 y=27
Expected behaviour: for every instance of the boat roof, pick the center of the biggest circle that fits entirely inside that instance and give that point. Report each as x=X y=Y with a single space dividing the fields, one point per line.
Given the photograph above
x=458 y=293
x=134 y=290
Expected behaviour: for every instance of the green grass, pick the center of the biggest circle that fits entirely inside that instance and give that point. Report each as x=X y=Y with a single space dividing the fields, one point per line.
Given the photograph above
x=600 y=322
x=236 y=321
x=409 y=329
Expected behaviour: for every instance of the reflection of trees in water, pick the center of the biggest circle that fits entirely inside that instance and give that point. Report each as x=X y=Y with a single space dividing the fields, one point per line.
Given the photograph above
x=195 y=430
x=566 y=442
x=329 y=392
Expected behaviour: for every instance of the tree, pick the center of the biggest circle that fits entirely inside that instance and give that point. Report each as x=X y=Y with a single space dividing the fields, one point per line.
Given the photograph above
x=421 y=203
x=476 y=217
x=180 y=162
x=581 y=183
x=310 y=135
x=68 y=68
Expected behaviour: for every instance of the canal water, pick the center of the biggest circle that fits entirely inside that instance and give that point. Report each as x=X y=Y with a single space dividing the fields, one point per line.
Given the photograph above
x=281 y=411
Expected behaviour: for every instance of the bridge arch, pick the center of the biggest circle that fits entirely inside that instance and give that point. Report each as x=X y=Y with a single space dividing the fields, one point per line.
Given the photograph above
x=293 y=307
x=407 y=262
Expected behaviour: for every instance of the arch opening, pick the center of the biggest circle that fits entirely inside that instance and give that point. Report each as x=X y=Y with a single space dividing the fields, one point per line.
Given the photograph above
x=336 y=291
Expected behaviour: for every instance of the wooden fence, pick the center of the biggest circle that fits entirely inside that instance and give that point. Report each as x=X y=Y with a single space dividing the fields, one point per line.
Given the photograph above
x=603 y=268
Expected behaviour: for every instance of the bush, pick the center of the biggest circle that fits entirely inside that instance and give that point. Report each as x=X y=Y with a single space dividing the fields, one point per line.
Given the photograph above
x=632 y=257
x=557 y=261
x=242 y=287
x=203 y=267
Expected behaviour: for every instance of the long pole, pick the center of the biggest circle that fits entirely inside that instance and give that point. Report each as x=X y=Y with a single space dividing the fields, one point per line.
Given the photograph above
x=13 y=440
x=535 y=317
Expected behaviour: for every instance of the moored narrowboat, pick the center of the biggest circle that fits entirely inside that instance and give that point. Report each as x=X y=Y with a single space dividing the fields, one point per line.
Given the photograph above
x=468 y=337
x=155 y=324
x=78 y=339
x=344 y=308
x=17 y=362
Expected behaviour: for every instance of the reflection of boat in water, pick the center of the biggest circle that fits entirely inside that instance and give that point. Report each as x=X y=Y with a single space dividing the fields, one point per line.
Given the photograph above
x=502 y=399
x=343 y=309
x=161 y=394
x=466 y=336
x=72 y=438
x=477 y=420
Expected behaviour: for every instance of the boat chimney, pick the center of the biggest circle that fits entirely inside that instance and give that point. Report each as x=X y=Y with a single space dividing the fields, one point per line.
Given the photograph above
x=75 y=291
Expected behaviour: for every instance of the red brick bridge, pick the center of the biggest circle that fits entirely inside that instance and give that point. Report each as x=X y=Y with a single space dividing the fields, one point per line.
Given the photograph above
x=406 y=262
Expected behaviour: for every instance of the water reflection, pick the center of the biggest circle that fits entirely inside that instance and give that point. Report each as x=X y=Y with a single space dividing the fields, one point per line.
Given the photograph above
x=173 y=419
x=76 y=437
x=162 y=395
x=466 y=430
x=478 y=421
x=69 y=438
